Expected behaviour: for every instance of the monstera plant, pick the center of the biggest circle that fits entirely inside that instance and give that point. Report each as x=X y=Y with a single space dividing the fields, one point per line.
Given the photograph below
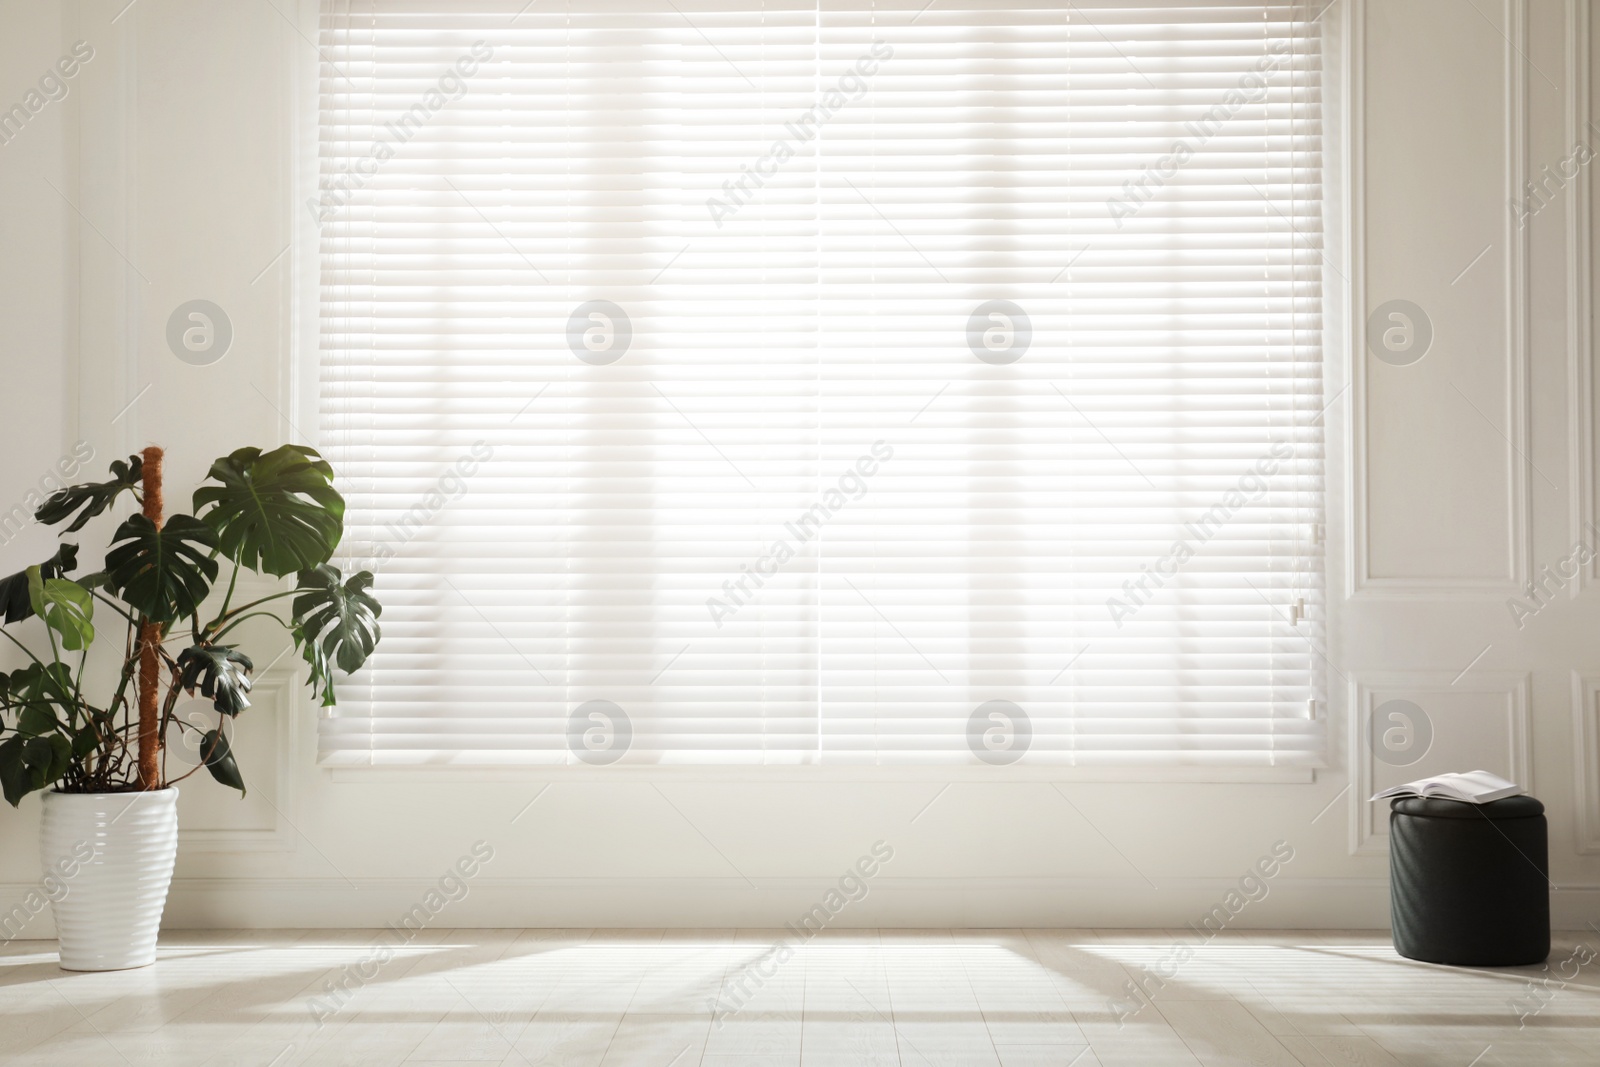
x=271 y=513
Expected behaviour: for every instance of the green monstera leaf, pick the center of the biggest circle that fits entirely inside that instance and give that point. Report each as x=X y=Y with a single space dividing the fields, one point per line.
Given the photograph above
x=335 y=624
x=217 y=755
x=15 y=599
x=66 y=607
x=38 y=684
x=163 y=574
x=275 y=511
x=28 y=764
x=220 y=672
x=37 y=720
x=92 y=497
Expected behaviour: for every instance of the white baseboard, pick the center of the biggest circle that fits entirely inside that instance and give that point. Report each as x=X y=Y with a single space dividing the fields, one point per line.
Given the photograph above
x=1304 y=904
x=889 y=903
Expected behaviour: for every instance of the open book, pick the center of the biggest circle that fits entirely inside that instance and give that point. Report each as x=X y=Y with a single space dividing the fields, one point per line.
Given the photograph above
x=1473 y=787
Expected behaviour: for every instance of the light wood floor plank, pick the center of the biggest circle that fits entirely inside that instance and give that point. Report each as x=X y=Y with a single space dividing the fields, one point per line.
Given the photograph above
x=751 y=998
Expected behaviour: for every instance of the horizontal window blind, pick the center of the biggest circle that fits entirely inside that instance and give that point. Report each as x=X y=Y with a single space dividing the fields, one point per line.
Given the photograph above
x=841 y=383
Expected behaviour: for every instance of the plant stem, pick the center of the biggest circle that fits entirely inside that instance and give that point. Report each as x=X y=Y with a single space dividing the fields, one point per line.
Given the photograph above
x=171 y=702
x=77 y=681
x=50 y=635
x=233 y=579
x=269 y=614
x=112 y=604
x=128 y=662
x=220 y=619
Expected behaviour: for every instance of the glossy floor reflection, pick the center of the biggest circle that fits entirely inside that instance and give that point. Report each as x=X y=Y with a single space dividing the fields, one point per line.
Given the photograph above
x=678 y=998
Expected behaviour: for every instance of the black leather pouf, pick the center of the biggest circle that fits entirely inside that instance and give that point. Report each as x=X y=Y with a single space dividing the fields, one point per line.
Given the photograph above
x=1469 y=884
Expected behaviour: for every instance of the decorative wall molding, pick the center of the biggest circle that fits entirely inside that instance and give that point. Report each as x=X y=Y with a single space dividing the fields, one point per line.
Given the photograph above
x=1580 y=293
x=1356 y=540
x=1586 y=760
x=1353 y=202
x=108 y=288
x=1519 y=401
x=1519 y=504
x=1518 y=738
x=275 y=694
x=302 y=278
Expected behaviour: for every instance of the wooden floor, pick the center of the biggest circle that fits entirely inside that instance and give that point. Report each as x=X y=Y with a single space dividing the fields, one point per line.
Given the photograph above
x=679 y=998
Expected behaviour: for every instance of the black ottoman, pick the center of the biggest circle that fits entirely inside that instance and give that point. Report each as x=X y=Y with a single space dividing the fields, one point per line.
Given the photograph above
x=1469 y=883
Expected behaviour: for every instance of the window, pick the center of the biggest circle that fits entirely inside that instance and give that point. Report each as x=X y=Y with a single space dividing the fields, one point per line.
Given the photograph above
x=848 y=383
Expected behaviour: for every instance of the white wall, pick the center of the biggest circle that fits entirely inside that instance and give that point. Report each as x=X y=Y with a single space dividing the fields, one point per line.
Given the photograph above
x=37 y=303
x=1455 y=479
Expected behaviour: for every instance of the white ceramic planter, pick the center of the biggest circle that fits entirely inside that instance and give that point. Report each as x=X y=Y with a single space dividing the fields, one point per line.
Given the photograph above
x=113 y=854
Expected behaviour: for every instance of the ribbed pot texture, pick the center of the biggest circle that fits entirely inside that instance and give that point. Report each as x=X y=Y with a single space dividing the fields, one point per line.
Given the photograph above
x=119 y=848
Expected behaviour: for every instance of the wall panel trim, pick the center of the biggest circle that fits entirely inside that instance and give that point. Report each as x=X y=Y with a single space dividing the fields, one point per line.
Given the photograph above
x=1519 y=442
